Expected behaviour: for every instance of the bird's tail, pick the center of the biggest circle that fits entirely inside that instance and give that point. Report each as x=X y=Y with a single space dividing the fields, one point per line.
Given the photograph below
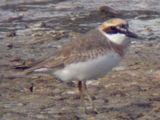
x=35 y=70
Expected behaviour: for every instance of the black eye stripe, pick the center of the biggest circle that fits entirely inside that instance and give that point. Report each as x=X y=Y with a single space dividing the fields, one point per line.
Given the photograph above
x=117 y=29
x=112 y=30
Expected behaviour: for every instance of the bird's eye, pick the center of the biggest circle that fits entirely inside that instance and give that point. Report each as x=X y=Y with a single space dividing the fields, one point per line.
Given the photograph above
x=125 y=26
x=111 y=30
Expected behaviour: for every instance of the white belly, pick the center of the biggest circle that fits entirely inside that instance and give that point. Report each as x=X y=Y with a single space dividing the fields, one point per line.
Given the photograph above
x=90 y=69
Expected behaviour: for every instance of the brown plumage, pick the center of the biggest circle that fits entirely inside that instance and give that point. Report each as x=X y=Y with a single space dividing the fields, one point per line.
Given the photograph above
x=88 y=46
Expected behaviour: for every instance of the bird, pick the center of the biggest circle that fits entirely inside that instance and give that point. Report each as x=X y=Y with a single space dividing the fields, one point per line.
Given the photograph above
x=89 y=56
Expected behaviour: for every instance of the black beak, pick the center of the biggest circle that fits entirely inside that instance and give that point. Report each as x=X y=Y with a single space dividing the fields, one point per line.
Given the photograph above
x=127 y=33
x=131 y=34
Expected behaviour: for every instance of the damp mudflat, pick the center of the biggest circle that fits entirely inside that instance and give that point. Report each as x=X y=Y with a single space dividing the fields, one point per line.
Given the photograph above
x=33 y=29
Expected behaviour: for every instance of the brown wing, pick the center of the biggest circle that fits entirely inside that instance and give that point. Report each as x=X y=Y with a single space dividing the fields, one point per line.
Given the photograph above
x=81 y=49
x=62 y=60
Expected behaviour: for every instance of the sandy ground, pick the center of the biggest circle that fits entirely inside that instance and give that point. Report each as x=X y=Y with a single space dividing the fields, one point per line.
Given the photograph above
x=31 y=30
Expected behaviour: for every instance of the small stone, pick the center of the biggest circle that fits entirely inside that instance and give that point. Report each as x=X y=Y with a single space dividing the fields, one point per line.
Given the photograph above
x=108 y=11
x=72 y=92
x=41 y=116
x=73 y=18
x=10 y=46
x=91 y=118
x=41 y=24
x=38 y=25
x=11 y=34
x=20 y=104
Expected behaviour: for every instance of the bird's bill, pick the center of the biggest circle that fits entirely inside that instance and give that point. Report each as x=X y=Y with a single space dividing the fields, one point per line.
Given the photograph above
x=127 y=32
x=131 y=34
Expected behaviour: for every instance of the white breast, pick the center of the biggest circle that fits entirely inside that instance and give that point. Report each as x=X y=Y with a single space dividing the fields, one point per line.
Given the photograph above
x=90 y=69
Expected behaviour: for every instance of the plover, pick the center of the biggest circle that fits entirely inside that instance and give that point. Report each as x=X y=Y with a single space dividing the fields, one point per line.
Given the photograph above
x=89 y=56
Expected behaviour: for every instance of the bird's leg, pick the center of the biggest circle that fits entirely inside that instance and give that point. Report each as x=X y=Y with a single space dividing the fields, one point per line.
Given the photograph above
x=89 y=97
x=81 y=92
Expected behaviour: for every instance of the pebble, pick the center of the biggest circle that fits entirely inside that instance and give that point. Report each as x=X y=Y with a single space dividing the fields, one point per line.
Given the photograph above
x=11 y=34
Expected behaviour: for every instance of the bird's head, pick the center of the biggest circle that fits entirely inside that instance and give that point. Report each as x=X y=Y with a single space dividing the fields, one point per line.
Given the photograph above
x=116 y=30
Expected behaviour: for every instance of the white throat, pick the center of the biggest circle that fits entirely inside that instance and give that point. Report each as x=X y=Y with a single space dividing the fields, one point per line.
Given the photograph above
x=120 y=39
x=116 y=38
